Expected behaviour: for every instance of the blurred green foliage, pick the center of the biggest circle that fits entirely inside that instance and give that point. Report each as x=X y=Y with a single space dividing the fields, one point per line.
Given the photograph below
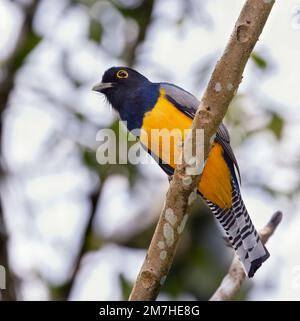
x=126 y=287
x=259 y=60
x=276 y=125
x=202 y=258
x=96 y=31
x=131 y=171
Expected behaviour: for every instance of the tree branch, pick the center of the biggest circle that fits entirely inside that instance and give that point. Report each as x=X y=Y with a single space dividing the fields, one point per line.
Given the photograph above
x=232 y=282
x=222 y=86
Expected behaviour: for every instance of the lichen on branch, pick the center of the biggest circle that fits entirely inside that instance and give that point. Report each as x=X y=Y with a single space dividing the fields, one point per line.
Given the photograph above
x=221 y=88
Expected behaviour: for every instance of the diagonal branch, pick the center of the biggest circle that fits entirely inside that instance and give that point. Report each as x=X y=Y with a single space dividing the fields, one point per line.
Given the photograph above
x=232 y=282
x=223 y=84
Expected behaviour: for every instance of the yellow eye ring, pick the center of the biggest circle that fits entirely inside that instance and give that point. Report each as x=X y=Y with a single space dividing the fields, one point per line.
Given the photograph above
x=122 y=74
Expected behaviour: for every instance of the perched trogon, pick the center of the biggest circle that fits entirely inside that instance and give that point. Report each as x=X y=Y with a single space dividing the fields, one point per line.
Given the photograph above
x=145 y=105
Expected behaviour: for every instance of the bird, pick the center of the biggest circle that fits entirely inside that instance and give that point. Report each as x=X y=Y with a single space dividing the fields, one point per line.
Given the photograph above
x=144 y=106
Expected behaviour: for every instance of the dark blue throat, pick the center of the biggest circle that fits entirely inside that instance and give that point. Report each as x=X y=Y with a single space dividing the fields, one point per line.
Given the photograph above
x=133 y=102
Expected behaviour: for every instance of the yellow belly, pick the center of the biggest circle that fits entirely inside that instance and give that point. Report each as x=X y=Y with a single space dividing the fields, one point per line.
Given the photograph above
x=165 y=126
x=215 y=183
x=163 y=131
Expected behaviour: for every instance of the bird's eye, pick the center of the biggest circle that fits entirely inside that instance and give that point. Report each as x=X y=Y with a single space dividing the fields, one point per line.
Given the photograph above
x=122 y=74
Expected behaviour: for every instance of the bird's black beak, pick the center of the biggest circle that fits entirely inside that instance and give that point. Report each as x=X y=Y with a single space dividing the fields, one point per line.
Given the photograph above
x=102 y=85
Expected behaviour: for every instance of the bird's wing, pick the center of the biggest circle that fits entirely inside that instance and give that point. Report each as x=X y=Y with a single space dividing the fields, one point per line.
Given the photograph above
x=219 y=187
x=223 y=137
x=181 y=98
x=189 y=104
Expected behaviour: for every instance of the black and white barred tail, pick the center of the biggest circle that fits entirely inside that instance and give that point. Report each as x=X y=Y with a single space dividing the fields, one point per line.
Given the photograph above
x=241 y=233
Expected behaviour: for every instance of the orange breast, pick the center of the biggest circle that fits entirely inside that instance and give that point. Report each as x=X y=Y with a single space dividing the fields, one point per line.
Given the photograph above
x=215 y=184
x=163 y=131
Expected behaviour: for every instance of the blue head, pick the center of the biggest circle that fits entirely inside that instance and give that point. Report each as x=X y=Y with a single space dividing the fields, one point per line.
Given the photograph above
x=129 y=92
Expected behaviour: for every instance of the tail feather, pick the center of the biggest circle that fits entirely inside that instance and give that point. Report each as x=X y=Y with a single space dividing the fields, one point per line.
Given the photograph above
x=241 y=233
